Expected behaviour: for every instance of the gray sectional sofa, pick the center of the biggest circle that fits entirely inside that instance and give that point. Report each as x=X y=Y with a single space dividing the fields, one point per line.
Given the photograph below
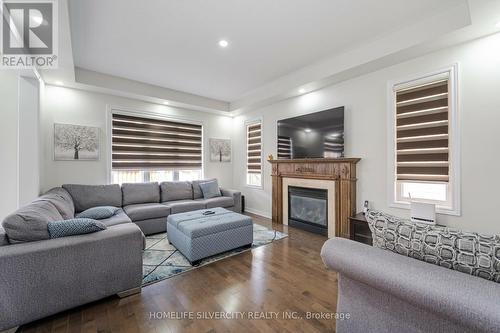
x=40 y=276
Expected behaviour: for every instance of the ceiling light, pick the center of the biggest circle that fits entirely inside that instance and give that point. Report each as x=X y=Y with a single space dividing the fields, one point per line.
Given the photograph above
x=307 y=130
x=166 y=102
x=59 y=83
x=223 y=43
x=302 y=90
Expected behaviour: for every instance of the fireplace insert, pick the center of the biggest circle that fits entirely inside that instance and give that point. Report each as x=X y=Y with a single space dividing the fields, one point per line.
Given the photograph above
x=308 y=209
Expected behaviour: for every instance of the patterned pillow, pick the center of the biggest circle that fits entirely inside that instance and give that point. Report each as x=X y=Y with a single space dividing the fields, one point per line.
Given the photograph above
x=98 y=213
x=73 y=227
x=210 y=189
x=467 y=252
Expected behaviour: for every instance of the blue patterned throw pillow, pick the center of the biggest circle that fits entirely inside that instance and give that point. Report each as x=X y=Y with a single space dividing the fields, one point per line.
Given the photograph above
x=98 y=213
x=210 y=189
x=71 y=227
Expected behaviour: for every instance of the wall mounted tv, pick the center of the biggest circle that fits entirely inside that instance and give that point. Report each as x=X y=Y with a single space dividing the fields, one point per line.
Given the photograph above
x=314 y=135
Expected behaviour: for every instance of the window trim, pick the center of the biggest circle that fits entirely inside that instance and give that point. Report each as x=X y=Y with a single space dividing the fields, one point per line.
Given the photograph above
x=248 y=123
x=111 y=109
x=454 y=139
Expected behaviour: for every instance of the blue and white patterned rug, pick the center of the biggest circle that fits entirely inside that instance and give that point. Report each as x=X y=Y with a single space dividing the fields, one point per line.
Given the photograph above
x=161 y=260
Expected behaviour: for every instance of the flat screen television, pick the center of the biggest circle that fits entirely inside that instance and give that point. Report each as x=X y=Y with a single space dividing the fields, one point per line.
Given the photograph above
x=314 y=135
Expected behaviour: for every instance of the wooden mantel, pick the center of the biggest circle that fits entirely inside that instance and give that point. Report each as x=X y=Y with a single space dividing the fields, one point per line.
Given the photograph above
x=340 y=170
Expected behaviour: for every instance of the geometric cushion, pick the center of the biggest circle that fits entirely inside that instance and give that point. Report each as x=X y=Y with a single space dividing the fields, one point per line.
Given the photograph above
x=136 y=193
x=77 y=226
x=197 y=193
x=139 y=212
x=88 y=196
x=467 y=252
x=210 y=189
x=171 y=191
x=29 y=223
x=61 y=199
x=98 y=213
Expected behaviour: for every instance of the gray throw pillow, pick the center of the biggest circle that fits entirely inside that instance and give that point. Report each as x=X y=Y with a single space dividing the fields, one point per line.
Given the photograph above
x=463 y=251
x=98 y=213
x=210 y=189
x=74 y=227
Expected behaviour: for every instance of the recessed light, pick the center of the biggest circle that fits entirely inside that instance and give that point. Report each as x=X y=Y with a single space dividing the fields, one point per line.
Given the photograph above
x=166 y=103
x=59 y=83
x=302 y=90
x=223 y=43
x=307 y=130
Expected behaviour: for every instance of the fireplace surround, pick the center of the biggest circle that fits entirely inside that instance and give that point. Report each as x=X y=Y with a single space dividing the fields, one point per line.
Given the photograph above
x=338 y=175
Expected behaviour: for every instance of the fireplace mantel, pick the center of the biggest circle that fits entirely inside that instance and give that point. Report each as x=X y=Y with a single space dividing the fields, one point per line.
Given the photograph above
x=340 y=170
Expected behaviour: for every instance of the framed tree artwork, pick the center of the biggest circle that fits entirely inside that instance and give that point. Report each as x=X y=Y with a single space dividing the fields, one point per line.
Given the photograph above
x=220 y=150
x=76 y=143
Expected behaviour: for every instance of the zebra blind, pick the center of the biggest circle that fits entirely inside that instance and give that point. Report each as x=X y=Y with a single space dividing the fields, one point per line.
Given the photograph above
x=147 y=143
x=284 y=147
x=333 y=146
x=422 y=132
x=254 y=148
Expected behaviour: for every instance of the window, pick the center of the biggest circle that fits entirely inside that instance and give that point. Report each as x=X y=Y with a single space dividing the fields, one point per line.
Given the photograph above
x=254 y=154
x=425 y=142
x=154 y=150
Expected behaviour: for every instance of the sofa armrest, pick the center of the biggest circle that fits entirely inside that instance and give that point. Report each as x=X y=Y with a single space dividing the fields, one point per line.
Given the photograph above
x=38 y=279
x=236 y=197
x=469 y=300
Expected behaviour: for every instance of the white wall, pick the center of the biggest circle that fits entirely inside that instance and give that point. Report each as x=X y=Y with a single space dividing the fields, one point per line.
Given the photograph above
x=365 y=99
x=9 y=87
x=29 y=180
x=72 y=106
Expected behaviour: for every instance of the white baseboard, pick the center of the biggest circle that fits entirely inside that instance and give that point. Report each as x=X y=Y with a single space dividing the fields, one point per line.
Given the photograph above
x=258 y=212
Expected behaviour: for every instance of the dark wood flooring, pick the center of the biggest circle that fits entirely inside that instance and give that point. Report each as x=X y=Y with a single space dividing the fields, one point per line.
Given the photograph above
x=285 y=277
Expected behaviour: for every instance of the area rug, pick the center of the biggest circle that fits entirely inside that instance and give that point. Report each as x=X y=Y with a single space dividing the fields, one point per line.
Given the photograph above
x=161 y=260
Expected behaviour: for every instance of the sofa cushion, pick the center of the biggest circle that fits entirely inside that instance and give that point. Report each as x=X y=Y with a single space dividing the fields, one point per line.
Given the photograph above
x=197 y=192
x=210 y=189
x=467 y=252
x=4 y=240
x=87 y=196
x=171 y=191
x=62 y=200
x=72 y=227
x=139 y=212
x=181 y=206
x=29 y=223
x=223 y=202
x=137 y=193
x=119 y=218
x=98 y=213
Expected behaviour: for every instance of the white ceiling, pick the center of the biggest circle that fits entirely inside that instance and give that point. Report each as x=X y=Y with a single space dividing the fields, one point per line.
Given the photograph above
x=173 y=43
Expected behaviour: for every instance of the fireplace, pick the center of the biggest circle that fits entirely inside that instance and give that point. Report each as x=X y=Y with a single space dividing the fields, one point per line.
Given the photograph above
x=308 y=209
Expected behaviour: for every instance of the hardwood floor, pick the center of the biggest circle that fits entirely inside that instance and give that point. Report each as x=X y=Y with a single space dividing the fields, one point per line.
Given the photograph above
x=285 y=277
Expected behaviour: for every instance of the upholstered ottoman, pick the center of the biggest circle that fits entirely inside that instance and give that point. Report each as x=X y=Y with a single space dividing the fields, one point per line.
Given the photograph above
x=198 y=236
